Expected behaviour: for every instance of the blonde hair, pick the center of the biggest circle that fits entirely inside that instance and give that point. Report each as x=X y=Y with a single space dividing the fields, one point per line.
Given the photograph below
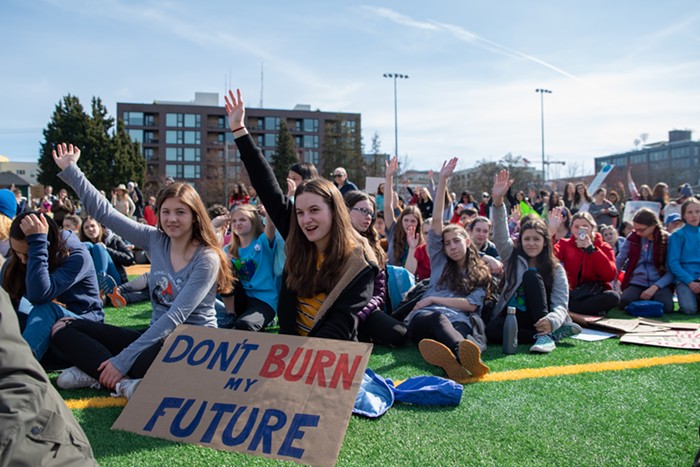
x=5 y=223
x=251 y=213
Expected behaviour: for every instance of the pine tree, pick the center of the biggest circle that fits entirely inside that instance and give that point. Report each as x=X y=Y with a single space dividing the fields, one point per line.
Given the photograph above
x=342 y=148
x=107 y=157
x=285 y=155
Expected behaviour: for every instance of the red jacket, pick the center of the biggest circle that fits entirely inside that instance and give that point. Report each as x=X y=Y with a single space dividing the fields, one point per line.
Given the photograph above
x=598 y=266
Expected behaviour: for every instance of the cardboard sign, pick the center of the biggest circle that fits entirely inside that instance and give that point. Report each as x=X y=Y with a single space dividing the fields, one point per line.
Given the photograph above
x=674 y=339
x=631 y=208
x=276 y=396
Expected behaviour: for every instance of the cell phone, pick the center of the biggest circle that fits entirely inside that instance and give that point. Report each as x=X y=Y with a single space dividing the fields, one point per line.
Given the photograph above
x=582 y=233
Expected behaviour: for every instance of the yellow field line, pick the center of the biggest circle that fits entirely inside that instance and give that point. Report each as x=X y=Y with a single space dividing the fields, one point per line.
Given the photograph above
x=513 y=375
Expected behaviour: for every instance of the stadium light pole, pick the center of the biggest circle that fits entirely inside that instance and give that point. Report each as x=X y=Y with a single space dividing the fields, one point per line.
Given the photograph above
x=396 y=76
x=542 y=93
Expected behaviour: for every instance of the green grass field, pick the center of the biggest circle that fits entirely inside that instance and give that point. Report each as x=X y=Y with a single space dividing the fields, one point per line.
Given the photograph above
x=645 y=416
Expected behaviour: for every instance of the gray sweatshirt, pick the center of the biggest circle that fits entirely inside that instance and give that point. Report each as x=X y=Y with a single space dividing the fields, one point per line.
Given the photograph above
x=178 y=297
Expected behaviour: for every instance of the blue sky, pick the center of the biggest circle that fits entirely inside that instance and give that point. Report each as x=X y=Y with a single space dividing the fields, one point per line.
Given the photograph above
x=616 y=68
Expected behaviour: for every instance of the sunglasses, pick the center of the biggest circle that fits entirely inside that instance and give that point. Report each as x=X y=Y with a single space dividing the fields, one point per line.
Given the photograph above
x=337 y=175
x=364 y=212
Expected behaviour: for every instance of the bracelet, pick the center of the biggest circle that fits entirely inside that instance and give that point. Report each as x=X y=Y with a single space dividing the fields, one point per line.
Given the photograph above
x=238 y=129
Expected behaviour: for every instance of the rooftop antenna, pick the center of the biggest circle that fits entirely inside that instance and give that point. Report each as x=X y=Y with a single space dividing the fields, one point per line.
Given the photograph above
x=262 y=84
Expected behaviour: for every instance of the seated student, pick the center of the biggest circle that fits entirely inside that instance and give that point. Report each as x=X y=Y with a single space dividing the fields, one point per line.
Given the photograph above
x=330 y=270
x=443 y=322
x=613 y=239
x=404 y=233
x=535 y=282
x=31 y=406
x=643 y=258
x=479 y=230
x=73 y=223
x=590 y=267
x=421 y=251
x=684 y=257
x=251 y=251
x=186 y=268
x=673 y=222
x=134 y=291
x=375 y=325
x=110 y=255
x=559 y=223
x=48 y=267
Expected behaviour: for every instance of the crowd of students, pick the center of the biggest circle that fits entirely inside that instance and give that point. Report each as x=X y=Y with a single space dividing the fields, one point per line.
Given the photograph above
x=326 y=260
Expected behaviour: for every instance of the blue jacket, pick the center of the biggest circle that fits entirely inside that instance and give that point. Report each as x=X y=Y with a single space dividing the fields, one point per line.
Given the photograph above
x=683 y=256
x=73 y=283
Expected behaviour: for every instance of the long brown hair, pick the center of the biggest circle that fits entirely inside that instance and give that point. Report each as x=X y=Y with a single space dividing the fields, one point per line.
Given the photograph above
x=251 y=213
x=14 y=279
x=545 y=262
x=400 y=239
x=475 y=274
x=202 y=231
x=351 y=199
x=303 y=276
x=85 y=238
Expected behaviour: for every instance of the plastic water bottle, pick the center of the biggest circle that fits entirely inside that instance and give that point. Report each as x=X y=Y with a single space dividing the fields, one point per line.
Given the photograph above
x=510 y=332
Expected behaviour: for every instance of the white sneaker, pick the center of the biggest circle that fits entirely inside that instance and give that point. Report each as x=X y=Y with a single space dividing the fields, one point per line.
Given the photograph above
x=543 y=344
x=74 y=378
x=126 y=388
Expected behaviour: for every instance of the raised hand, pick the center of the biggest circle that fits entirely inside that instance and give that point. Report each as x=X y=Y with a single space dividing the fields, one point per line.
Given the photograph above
x=448 y=167
x=515 y=213
x=291 y=187
x=33 y=224
x=65 y=155
x=501 y=183
x=392 y=167
x=412 y=237
x=556 y=219
x=235 y=110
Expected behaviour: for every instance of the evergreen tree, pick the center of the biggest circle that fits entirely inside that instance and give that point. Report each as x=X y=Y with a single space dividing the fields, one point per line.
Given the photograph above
x=285 y=155
x=107 y=157
x=342 y=148
x=375 y=163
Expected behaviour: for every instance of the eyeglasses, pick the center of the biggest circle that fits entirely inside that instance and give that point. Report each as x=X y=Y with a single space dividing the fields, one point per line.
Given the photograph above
x=364 y=212
x=640 y=229
x=337 y=175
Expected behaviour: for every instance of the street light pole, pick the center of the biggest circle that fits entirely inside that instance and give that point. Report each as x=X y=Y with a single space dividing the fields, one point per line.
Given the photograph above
x=542 y=93
x=396 y=76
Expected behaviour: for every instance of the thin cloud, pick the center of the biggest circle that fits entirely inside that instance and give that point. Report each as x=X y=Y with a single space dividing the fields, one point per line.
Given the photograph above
x=466 y=36
x=662 y=34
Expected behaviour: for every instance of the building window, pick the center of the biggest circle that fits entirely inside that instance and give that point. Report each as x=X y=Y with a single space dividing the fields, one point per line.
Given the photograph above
x=190 y=171
x=261 y=140
x=191 y=154
x=681 y=163
x=133 y=118
x=269 y=154
x=298 y=140
x=311 y=141
x=149 y=136
x=312 y=156
x=658 y=155
x=182 y=137
x=148 y=153
x=192 y=137
x=272 y=123
x=311 y=124
x=350 y=125
x=149 y=120
x=221 y=122
x=220 y=137
x=20 y=171
x=638 y=159
x=620 y=161
x=183 y=120
x=270 y=139
x=182 y=154
x=136 y=135
x=680 y=152
x=299 y=125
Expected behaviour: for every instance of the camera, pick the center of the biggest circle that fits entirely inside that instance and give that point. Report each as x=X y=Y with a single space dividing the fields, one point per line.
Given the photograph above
x=582 y=233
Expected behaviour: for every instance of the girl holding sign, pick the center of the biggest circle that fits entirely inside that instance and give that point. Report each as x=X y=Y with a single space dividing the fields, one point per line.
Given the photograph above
x=329 y=273
x=186 y=268
x=446 y=322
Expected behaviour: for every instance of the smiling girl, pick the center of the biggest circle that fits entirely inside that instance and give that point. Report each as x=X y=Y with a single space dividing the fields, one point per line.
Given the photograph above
x=329 y=273
x=252 y=254
x=534 y=281
x=186 y=268
x=443 y=322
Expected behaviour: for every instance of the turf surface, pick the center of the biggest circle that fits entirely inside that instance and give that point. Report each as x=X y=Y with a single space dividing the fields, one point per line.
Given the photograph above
x=645 y=416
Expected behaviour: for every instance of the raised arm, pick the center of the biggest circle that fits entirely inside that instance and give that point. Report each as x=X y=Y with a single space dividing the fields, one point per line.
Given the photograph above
x=66 y=158
x=279 y=207
x=439 y=203
x=391 y=168
x=501 y=236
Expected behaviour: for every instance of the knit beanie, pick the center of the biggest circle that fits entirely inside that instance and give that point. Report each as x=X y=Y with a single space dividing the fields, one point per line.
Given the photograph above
x=8 y=203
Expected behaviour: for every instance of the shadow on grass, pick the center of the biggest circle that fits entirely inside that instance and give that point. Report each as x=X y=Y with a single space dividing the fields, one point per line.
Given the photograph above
x=111 y=443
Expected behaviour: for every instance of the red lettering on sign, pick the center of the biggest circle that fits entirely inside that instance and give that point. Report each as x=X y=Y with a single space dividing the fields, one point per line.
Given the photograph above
x=274 y=363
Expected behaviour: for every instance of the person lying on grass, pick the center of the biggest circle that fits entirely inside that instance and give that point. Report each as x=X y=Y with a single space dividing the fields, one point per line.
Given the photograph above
x=534 y=281
x=330 y=269
x=443 y=322
x=187 y=266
